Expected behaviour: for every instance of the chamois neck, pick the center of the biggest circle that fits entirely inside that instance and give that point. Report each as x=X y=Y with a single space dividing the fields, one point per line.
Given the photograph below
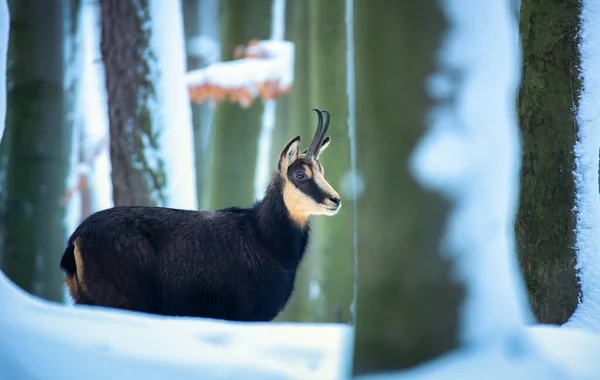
x=275 y=222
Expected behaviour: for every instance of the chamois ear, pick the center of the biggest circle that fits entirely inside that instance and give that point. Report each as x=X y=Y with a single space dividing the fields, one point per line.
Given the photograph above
x=289 y=153
x=324 y=145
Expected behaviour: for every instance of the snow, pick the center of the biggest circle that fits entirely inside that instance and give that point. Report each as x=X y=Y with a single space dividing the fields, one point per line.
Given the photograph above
x=44 y=340
x=176 y=135
x=587 y=202
x=265 y=138
x=4 y=25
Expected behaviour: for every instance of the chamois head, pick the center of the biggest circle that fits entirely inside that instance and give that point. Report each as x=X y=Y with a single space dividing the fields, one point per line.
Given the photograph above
x=305 y=190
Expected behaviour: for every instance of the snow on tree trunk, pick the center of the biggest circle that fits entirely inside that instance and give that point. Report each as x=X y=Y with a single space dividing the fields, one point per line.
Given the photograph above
x=409 y=303
x=41 y=117
x=150 y=125
x=587 y=205
x=95 y=167
x=548 y=99
x=236 y=129
x=173 y=113
x=471 y=155
x=201 y=26
x=264 y=166
x=282 y=133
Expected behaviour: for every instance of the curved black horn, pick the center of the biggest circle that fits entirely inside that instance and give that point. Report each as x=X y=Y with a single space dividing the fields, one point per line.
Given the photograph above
x=317 y=137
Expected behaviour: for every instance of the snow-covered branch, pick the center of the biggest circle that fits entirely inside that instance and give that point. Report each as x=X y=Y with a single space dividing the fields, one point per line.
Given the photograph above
x=264 y=69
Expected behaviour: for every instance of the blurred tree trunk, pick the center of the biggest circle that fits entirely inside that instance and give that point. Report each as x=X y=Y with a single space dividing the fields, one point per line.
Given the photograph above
x=408 y=302
x=235 y=133
x=545 y=228
x=331 y=248
x=299 y=119
x=125 y=45
x=4 y=156
x=201 y=26
x=284 y=124
x=40 y=121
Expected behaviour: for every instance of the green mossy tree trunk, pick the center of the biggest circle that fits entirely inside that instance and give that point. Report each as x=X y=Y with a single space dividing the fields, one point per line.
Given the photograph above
x=408 y=302
x=127 y=56
x=39 y=141
x=235 y=133
x=547 y=102
x=300 y=120
x=331 y=250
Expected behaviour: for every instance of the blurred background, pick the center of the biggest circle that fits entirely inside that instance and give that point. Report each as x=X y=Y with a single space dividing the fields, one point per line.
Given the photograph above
x=188 y=103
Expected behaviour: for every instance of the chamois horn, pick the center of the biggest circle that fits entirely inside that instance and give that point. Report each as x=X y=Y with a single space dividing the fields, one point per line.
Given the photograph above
x=319 y=134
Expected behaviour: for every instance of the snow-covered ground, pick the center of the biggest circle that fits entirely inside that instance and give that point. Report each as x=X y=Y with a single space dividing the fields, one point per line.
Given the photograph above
x=44 y=340
x=41 y=340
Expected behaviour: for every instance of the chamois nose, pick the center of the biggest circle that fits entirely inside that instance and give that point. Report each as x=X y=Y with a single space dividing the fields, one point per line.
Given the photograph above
x=335 y=200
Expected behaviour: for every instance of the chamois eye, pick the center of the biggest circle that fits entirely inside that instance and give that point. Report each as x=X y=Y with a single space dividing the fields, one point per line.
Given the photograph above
x=300 y=175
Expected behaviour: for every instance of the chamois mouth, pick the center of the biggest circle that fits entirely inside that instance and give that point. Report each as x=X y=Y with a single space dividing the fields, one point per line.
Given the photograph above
x=332 y=210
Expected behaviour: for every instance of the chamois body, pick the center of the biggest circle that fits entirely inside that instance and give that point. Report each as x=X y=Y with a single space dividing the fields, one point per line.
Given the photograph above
x=234 y=263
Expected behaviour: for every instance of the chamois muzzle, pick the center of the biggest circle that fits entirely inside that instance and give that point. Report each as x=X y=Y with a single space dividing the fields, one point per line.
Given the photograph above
x=319 y=133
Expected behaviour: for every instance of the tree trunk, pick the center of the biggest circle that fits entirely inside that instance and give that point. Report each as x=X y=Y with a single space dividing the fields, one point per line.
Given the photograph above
x=235 y=136
x=4 y=156
x=127 y=56
x=283 y=131
x=331 y=252
x=408 y=301
x=300 y=120
x=547 y=102
x=201 y=22
x=40 y=127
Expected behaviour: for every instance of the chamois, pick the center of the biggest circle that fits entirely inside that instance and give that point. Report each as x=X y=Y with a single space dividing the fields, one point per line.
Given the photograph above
x=233 y=263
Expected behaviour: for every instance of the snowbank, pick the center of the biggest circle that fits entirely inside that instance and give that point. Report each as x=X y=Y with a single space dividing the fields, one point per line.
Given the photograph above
x=44 y=340
x=573 y=352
